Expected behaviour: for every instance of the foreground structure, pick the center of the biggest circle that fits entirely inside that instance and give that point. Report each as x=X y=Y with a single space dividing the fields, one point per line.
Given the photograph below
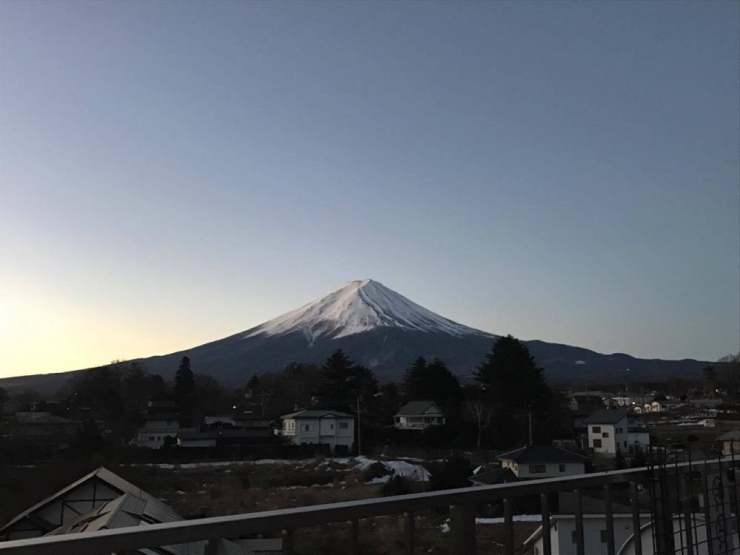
x=688 y=508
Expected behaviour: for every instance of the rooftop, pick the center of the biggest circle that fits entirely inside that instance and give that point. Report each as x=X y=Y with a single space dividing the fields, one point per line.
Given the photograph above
x=316 y=413
x=607 y=416
x=417 y=408
x=542 y=454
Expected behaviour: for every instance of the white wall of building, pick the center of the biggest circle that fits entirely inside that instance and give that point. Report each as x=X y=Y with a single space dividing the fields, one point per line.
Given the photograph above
x=562 y=534
x=328 y=430
x=604 y=438
x=544 y=470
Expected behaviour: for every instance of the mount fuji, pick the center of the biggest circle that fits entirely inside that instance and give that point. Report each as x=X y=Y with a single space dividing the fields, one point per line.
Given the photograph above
x=385 y=331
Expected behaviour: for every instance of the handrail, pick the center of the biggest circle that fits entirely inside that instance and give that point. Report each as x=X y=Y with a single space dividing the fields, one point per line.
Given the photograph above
x=155 y=535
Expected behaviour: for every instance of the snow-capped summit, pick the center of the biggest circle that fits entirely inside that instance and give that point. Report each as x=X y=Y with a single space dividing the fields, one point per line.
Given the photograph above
x=356 y=307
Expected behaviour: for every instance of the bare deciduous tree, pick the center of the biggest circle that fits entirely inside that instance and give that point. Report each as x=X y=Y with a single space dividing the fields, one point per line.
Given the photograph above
x=480 y=413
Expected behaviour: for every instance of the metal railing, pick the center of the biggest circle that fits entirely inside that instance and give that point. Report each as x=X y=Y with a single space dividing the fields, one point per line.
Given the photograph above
x=461 y=503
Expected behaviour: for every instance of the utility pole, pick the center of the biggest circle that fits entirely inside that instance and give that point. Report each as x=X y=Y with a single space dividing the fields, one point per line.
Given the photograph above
x=359 y=437
x=530 y=427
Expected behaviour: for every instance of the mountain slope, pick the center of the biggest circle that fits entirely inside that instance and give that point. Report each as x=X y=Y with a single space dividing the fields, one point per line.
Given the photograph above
x=385 y=331
x=357 y=307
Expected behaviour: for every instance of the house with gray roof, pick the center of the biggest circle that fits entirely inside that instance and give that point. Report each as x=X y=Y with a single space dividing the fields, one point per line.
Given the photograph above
x=730 y=443
x=419 y=415
x=320 y=427
x=608 y=432
x=535 y=462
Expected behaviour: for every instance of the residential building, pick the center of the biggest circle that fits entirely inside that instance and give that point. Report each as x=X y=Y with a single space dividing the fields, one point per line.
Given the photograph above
x=638 y=439
x=86 y=494
x=664 y=406
x=156 y=429
x=730 y=443
x=608 y=431
x=43 y=429
x=418 y=415
x=543 y=461
x=563 y=534
x=586 y=402
x=103 y=500
x=320 y=427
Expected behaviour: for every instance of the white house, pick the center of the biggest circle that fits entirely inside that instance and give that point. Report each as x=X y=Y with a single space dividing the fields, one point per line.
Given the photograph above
x=320 y=427
x=730 y=443
x=542 y=461
x=608 y=431
x=664 y=406
x=156 y=429
x=563 y=534
x=638 y=439
x=418 y=415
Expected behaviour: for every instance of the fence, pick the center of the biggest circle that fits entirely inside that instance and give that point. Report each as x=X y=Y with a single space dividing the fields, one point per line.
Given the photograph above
x=677 y=491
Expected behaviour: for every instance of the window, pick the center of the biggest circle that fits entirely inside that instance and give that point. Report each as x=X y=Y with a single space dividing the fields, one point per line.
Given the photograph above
x=537 y=469
x=596 y=429
x=597 y=443
x=561 y=468
x=306 y=427
x=343 y=425
x=151 y=438
x=331 y=426
x=605 y=434
x=602 y=533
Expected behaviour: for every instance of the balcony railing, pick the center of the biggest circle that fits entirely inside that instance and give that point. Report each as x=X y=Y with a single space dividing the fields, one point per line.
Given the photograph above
x=461 y=503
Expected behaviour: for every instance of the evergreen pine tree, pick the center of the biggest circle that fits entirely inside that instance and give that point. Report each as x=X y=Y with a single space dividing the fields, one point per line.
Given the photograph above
x=342 y=382
x=432 y=381
x=185 y=388
x=515 y=386
x=413 y=380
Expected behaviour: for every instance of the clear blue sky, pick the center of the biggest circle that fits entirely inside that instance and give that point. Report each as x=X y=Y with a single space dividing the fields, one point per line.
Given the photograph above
x=175 y=172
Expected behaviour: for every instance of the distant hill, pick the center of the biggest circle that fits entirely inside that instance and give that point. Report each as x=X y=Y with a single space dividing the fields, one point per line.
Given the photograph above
x=385 y=331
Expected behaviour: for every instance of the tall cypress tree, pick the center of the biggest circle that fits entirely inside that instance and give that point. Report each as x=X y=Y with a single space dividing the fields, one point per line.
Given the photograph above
x=413 y=380
x=514 y=386
x=342 y=382
x=185 y=388
x=432 y=381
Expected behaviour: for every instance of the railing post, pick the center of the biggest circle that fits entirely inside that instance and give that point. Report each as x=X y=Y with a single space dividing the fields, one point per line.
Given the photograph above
x=546 y=538
x=686 y=506
x=462 y=529
x=211 y=547
x=288 y=542
x=636 y=521
x=609 y=514
x=410 y=534
x=508 y=527
x=580 y=548
x=354 y=537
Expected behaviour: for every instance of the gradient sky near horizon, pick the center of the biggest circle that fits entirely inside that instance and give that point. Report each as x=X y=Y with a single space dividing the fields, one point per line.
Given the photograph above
x=175 y=172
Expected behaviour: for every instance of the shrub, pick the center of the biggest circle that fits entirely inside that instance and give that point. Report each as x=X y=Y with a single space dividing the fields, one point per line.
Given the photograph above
x=398 y=485
x=375 y=470
x=450 y=474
